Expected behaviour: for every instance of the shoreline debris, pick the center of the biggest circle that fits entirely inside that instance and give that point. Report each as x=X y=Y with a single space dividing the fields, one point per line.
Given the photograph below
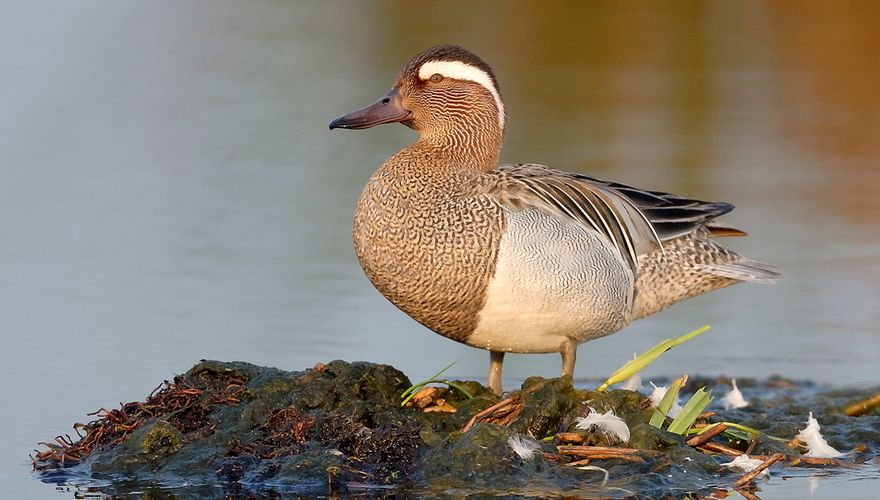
x=186 y=402
x=340 y=428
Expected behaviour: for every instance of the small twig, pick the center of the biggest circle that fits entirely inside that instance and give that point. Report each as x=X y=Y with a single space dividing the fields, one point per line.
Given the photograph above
x=570 y=437
x=751 y=475
x=602 y=452
x=815 y=461
x=502 y=412
x=707 y=435
x=507 y=420
x=748 y=495
x=720 y=448
x=752 y=445
x=473 y=420
x=861 y=407
x=592 y=450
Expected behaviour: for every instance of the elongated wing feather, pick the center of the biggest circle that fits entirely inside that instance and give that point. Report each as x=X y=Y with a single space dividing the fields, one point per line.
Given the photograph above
x=635 y=221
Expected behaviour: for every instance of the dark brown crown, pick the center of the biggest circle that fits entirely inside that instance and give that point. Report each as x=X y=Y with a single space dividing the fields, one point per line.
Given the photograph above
x=448 y=53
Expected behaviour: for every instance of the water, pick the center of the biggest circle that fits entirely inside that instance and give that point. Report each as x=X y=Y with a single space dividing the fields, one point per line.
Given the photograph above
x=170 y=191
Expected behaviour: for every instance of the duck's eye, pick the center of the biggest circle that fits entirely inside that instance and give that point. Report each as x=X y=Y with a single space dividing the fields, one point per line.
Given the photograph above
x=436 y=78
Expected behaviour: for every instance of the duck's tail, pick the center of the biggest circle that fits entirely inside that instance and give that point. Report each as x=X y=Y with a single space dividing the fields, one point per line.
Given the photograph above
x=692 y=265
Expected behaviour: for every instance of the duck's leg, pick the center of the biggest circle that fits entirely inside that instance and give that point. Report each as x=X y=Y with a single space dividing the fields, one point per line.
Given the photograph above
x=569 y=354
x=495 y=360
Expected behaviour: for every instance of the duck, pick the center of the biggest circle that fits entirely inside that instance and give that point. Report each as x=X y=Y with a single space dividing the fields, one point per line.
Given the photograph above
x=519 y=258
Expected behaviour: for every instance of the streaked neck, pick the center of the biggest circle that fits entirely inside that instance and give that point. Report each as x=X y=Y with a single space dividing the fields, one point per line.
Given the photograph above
x=475 y=148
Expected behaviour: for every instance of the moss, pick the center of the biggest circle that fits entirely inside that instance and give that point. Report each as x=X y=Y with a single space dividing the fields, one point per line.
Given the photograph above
x=145 y=450
x=161 y=440
x=646 y=437
x=546 y=402
x=479 y=454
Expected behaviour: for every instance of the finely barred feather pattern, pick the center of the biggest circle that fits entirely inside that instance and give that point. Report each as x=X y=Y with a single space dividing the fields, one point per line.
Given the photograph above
x=565 y=195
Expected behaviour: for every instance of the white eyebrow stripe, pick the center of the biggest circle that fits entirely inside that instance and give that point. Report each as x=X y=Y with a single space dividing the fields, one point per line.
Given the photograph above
x=462 y=71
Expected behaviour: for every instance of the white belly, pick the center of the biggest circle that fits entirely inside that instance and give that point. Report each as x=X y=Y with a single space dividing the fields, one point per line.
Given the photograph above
x=553 y=281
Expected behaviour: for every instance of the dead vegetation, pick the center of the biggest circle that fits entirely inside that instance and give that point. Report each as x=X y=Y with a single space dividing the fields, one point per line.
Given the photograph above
x=185 y=404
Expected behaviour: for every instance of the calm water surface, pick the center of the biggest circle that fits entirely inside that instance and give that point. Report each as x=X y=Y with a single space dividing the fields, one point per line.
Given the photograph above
x=169 y=190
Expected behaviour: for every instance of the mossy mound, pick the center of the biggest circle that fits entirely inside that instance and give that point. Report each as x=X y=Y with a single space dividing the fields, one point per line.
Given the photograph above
x=339 y=428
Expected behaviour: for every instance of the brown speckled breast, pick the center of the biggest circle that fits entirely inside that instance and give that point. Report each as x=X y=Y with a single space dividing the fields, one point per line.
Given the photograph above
x=425 y=243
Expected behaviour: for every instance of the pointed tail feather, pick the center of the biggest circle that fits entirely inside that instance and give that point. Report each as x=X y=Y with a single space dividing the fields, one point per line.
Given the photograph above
x=744 y=270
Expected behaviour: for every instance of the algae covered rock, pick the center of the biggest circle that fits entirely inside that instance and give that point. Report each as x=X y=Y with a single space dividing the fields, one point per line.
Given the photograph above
x=340 y=428
x=231 y=422
x=148 y=448
x=479 y=454
x=545 y=403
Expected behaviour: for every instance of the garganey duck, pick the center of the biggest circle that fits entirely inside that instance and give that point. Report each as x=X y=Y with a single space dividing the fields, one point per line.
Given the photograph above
x=519 y=258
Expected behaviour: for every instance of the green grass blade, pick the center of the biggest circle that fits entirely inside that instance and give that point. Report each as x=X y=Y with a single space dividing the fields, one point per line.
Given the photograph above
x=419 y=385
x=691 y=410
x=409 y=393
x=413 y=389
x=659 y=415
x=736 y=434
x=684 y=338
x=753 y=432
x=636 y=365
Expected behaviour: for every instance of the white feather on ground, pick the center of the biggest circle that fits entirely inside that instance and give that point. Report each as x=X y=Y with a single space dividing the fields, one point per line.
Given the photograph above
x=657 y=396
x=633 y=383
x=734 y=399
x=524 y=447
x=746 y=463
x=816 y=445
x=607 y=423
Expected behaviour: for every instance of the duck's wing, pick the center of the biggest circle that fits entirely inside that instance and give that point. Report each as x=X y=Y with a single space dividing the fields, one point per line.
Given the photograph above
x=635 y=221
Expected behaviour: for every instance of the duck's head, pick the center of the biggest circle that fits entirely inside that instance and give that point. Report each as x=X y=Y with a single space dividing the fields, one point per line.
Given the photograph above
x=445 y=91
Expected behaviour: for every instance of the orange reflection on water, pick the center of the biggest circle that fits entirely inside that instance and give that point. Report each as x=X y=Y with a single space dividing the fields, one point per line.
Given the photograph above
x=829 y=78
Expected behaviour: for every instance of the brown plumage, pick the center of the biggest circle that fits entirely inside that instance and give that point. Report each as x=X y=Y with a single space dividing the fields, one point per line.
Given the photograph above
x=519 y=258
